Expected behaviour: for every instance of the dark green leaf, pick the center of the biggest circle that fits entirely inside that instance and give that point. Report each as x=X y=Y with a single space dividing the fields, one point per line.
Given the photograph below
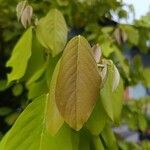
x=97 y=120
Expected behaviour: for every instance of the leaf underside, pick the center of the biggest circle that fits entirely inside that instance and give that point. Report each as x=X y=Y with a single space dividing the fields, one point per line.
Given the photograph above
x=78 y=83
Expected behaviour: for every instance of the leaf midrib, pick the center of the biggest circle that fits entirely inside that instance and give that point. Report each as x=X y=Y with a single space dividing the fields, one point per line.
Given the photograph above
x=43 y=123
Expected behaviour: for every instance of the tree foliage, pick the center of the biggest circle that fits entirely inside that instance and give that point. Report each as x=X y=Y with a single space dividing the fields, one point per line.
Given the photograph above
x=69 y=89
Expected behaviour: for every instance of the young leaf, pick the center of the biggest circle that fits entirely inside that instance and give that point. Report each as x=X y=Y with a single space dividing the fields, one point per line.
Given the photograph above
x=52 y=31
x=112 y=100
x=103 y=72
x=20 y=56
x=29 y=131
x=116 y=79
x=20 y=8
x=120 y=36
x=54 y=120
x=78 y=83
x=97 y=120
x=96 y=50
x=26 y=16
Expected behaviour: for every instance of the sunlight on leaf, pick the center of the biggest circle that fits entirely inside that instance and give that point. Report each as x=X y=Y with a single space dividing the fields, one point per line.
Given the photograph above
x=20 y=56
x=31 y=132
x=54 y=120
x=52 y=32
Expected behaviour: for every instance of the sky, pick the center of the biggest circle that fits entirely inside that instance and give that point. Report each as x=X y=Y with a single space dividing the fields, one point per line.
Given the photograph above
x=141 y=6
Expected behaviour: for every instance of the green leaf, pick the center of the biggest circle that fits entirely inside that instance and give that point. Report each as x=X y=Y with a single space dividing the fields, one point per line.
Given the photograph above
x=107 y=49
x=3 y=141
x=146 y=75
x=145 y=145
x=37 y=88
x=4 y=111
x=54 y=120
x=63 y=2
x=37 y=74
x=97 y=143
x=106 y=29
x=52 y=31
x=78 y=83
x=97 y=120
x=106 y=43
x=85 y=141
x=17 y=89
x=122 y=61
x=10 y=119
x=112 y=99
x=36 y=64
x=132 y=34
x=20 y=56
x=51 y=63
x=142 y=123
x=29 y=131
x=109 y=138
x=3 y=85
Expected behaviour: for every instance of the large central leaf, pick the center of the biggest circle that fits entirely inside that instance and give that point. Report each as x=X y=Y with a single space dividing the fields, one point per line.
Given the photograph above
x=78 y=83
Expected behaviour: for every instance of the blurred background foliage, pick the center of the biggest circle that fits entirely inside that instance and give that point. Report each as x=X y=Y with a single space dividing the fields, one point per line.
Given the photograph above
x=128 y=45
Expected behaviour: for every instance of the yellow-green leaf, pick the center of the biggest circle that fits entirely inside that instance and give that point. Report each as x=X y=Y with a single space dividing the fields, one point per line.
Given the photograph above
x=53 y=118
x=52 y=31
x=109 y=138
x=29 y=132
x=20 y=56
x=98 y=145
x=78 y=83
x=112 y=98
